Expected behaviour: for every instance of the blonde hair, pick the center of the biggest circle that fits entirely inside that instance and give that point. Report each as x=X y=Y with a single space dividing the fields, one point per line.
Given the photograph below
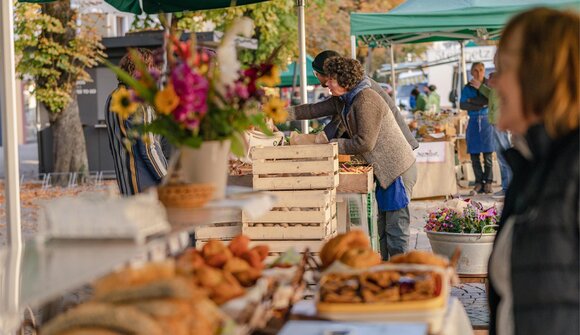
x=549 y=68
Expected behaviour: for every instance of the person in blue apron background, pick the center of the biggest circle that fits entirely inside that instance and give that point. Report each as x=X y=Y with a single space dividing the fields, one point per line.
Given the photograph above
x=479 y=135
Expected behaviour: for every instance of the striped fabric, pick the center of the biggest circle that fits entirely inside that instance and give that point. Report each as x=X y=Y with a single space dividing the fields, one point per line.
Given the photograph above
x=139 y=162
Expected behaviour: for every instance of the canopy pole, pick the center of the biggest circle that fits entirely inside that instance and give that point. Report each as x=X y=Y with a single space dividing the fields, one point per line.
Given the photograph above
x=353 y=46
x=393 y=73
x=9 y=125
x=463 y=66
x=302 y=59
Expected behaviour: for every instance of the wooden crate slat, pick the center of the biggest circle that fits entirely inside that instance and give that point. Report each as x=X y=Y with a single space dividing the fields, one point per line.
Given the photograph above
x=299 y=245
x=308 y=198
x=325 y=165
x=295 y=151
x=284 y=233
x=220 y=232
x=293 y=217
x=295 y=183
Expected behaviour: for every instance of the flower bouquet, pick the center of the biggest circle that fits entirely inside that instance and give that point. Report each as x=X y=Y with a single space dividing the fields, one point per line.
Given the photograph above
x=463 y=217
x=202 y=96
x=204 y=101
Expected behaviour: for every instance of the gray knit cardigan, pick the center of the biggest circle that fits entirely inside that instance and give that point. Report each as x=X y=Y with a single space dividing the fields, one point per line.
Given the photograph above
x=373 y=130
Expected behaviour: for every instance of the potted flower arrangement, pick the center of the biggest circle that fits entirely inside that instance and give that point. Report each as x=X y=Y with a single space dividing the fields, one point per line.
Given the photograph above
x=465 y=224
x=204 y=103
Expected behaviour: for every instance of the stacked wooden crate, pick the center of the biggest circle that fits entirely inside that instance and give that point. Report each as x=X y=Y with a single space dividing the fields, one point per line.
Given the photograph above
x=304 y=178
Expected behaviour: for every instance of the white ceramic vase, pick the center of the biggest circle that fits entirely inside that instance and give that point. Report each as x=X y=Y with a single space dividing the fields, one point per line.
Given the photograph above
x=206 y=165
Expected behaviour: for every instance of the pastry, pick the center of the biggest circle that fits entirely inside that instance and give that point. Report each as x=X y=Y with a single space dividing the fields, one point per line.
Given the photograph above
x=360 y=258
x=248 y=277
x=178 y=287
x=420 y=257
x=121 y=319
x=131 y=277
x=262 y=250
x=221 y=284
x=239 y=245
x=236 y=264
x=253 y=258
x=189 y=261
x=337 y=246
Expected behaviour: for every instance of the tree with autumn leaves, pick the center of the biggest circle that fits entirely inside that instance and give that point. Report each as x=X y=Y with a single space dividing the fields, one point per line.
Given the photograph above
x=55 y=50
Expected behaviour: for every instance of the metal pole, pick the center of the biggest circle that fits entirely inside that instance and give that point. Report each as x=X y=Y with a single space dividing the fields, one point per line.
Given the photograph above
x=353 y=46
x=393 y=74
x=9 y=125
x=463 y=66
x=302 y=59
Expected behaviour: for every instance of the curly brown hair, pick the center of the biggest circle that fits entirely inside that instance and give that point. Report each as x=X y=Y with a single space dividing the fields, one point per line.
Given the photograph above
x=127 y=63
x=348 y=72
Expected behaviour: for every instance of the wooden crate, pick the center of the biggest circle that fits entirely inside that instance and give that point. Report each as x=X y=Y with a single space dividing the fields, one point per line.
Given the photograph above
x=362 y=183
x=297 y=215
x=295 y=167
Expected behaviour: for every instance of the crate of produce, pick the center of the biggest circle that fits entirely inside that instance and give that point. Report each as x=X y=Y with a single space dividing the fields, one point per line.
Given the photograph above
x=356 y=179
x=295 y=167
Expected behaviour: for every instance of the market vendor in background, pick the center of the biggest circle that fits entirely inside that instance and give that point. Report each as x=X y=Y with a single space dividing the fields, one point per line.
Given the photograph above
x=534 y=268
x=139 y=160
x=374 y=134
x=502 y=138
x=479 y=135
x=420 y=100
x=433 y=99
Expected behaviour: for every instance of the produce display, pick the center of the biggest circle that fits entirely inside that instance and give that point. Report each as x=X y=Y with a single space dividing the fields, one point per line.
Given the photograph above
x=431 y=126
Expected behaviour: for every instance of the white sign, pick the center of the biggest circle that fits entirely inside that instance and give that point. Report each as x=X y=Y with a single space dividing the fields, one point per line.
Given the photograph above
x=430 y=152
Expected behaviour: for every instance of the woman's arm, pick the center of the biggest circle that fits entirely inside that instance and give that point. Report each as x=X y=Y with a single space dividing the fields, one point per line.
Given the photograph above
x=368 y=117
x=323 y=108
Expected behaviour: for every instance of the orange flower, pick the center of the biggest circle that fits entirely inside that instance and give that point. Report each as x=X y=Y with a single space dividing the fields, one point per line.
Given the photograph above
x=275 y=109
x=166 y=100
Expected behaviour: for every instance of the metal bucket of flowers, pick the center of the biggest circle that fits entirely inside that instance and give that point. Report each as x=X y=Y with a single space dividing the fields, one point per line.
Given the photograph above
x=465 y=224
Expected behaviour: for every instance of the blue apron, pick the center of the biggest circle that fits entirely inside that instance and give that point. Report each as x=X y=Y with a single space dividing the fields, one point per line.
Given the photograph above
x=479 y=135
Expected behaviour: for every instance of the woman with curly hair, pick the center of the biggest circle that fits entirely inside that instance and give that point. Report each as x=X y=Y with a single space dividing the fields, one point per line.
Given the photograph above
x=535 y=265
x=374 y=134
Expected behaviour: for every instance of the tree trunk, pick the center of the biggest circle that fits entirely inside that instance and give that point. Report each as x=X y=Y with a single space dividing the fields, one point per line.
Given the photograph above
x=69 y=146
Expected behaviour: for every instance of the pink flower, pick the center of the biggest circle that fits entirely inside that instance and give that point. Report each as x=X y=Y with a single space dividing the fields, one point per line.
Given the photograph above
x=188 y=118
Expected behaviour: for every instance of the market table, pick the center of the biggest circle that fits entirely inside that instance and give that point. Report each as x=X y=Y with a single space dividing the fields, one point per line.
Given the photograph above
x=435 y=170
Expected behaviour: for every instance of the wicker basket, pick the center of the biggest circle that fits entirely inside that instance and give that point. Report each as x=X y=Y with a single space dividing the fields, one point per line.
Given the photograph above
x=185 y=195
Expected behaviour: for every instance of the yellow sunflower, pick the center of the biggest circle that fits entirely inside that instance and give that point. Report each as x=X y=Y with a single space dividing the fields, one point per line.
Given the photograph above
x=272 y=78
x=122 y=104
x=166 y=100
x=275 y=109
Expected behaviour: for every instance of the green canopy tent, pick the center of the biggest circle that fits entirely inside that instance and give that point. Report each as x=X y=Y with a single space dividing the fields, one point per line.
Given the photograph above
x=417 y=21
x=287 y=77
